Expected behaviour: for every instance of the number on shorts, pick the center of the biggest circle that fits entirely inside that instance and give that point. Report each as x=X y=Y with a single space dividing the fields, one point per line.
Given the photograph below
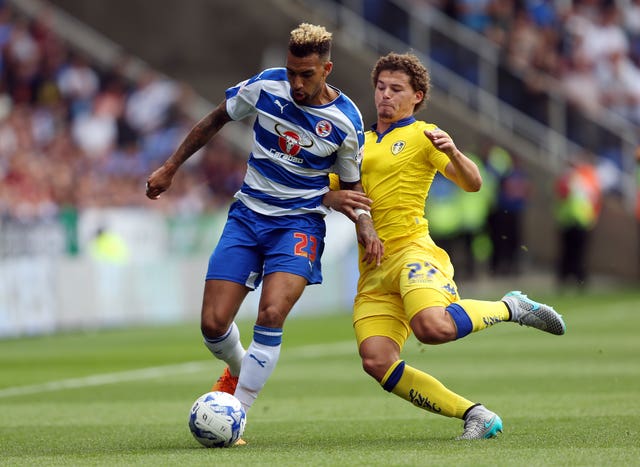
x=415 y=268
x=306 y=246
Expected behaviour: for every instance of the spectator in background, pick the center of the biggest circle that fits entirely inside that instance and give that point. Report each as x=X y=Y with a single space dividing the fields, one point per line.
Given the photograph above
x=107 y=247
x=78 y=83
x=619 y=79
x=580 y=85
x=507 y=215
x=578 y=203
x=148 y=106
x=475 y=14
x=631 y=22
x=94 y=129
x=21 y=59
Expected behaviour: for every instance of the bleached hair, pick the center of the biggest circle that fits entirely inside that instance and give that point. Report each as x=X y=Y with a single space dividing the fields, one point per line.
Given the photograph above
x=308 y=39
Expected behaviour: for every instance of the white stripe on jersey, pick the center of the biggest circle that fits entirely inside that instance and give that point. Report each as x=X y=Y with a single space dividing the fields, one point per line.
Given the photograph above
x=258 y=182
x=271 y=210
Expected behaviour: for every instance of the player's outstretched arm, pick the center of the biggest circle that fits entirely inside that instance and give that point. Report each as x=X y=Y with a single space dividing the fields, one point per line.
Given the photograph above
x=160 y=180
x=462 y=170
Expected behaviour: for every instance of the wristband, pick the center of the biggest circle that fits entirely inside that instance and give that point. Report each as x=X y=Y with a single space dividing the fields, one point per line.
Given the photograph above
x=359 y=212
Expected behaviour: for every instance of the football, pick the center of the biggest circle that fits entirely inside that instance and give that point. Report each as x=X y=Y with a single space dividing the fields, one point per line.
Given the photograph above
x=217 y=420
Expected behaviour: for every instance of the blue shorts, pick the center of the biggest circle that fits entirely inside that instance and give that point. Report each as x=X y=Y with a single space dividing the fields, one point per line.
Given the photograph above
x=253 y=245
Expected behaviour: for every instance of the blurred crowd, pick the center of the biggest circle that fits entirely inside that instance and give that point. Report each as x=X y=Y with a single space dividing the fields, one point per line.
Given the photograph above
x=591 y=46
x=74 y=135
x=586 y=50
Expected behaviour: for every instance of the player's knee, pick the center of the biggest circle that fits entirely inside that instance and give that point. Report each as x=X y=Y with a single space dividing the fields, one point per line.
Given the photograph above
x=212 y=327
x=434 y=332
x=271 y=317
x=375 y=367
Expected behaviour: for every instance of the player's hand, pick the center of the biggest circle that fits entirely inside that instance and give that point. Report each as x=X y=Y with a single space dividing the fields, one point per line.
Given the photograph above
x=159 y=182
x=346 y=202
x=442 y=141
x=368 y=238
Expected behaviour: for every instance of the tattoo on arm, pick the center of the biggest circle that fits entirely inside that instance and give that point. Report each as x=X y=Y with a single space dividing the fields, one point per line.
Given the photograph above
x=201 y=133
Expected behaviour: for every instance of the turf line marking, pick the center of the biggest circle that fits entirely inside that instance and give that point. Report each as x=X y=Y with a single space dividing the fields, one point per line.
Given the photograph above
x=106 y=378
x=309 y=351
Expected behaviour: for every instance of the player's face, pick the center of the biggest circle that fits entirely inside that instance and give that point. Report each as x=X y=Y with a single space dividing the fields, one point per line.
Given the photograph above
x=307 y=77
x=394 y=97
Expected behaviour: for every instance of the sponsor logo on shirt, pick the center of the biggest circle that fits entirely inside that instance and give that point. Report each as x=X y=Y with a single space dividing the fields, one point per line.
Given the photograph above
x=291 y=142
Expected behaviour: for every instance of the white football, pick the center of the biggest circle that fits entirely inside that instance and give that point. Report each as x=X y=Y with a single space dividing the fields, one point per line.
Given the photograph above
x=217 y=419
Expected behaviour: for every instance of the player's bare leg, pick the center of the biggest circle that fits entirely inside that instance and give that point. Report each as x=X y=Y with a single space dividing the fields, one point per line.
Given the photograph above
x=220 y=304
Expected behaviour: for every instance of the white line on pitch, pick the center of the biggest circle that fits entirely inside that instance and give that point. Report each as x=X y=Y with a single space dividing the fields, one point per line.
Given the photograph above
x=106 y=378
x=310 y=351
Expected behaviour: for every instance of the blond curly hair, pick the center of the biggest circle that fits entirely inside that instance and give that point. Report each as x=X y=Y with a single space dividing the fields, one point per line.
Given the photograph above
x=308 y=39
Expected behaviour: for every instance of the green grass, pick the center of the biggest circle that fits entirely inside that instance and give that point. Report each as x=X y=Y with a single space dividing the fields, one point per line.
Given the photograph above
x=121 y=397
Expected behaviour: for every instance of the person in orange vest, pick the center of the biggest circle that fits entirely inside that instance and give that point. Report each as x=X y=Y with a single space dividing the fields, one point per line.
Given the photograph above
x=578 y=204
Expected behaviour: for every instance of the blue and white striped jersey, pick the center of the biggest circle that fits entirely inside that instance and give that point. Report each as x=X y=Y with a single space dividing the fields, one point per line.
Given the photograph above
x=295 y=147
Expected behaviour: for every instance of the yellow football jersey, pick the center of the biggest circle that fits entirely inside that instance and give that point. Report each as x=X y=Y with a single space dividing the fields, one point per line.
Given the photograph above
x=398 y=168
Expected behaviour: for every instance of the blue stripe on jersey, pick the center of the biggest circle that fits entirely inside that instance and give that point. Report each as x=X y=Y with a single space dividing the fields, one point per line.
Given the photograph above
x=293 y=203
x=280 y=175
x=349 y=109
x=267 y=336
x=275 y=74
x=271 y=74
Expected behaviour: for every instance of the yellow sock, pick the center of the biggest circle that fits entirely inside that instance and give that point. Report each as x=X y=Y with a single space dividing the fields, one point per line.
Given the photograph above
x=475 y=315
x=424 y=391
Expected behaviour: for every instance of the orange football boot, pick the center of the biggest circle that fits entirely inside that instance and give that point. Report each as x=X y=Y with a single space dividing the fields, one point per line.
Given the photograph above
x=226 y=383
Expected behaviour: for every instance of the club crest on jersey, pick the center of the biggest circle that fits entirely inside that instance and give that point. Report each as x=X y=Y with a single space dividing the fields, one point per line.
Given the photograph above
x=290 y=142
x=323 y=128
x=397 y=147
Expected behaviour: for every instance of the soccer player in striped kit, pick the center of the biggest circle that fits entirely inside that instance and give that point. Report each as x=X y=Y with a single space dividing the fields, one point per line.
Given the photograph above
x=274 y=234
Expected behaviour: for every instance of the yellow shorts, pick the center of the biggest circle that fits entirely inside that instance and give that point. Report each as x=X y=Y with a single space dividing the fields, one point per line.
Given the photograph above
x=408 y=280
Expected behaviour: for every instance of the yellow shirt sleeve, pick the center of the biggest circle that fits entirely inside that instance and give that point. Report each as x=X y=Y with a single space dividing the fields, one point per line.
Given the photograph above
x=334 y=182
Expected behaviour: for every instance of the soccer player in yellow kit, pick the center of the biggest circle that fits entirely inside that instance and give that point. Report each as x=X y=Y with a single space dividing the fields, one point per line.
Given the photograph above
x=412 y=289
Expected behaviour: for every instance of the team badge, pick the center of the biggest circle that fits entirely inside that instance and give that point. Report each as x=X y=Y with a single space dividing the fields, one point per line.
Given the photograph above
x=397 y=147
x=290 y=142
x=323 y=128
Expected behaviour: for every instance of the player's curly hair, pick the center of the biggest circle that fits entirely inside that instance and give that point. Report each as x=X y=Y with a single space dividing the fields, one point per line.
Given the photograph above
x=411 y=65
x=308 y=39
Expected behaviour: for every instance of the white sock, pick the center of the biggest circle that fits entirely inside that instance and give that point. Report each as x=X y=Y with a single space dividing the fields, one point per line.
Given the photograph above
x=258 y=364
x=228 y=348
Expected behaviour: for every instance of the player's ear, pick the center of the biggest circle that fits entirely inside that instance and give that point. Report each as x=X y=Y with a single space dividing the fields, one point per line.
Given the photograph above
x=419 y=95
x=328 y=66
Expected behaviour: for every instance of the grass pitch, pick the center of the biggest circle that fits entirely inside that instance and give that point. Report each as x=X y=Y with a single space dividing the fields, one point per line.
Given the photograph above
x=122 y=397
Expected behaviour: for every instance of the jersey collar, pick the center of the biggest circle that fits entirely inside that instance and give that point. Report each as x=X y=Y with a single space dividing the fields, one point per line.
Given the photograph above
x=394 y=125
